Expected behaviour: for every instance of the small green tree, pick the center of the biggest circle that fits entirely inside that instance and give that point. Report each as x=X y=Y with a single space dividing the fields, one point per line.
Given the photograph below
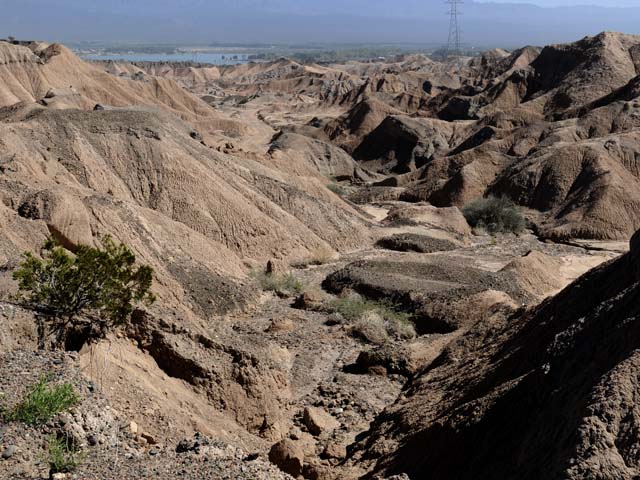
x=101 y=285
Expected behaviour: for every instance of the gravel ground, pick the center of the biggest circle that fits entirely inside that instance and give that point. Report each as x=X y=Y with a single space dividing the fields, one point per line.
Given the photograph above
x=111 y=447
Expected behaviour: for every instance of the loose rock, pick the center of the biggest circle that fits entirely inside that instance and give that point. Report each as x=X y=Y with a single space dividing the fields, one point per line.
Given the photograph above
x=9 y=451
x=288 y=456
x=318 y=421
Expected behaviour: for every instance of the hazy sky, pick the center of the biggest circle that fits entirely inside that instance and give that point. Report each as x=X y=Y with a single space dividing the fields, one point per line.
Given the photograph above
x=564 y=3
x=516 y=23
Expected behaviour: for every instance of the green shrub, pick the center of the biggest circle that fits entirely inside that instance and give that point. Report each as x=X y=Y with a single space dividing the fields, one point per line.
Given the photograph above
x=496 y=215
x=285 y=285
x=43 y=402
x=62 y=455
x=101 y=282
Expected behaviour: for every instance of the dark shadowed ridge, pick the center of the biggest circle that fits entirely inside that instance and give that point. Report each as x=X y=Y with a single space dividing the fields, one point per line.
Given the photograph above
x=546 y=394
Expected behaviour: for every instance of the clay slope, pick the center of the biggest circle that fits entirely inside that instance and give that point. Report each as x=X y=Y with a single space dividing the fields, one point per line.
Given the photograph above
x=577 y=73
x=305 y=156
x=549 y=393
x=401 y=144
x=591 y=189
x=348 y=130
x=194 y=77
x=284 y=76
x=139 y=175
x=54 y=76
x=139 y=170
x=554 y=128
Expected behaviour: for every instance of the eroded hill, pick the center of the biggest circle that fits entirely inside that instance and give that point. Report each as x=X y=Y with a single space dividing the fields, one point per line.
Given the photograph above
x=551 y=128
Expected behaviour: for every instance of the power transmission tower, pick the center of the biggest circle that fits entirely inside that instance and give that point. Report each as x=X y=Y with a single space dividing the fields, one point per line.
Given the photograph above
x=454 y=46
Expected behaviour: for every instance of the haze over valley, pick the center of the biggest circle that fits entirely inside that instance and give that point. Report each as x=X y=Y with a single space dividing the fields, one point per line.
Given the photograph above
x=486 y=24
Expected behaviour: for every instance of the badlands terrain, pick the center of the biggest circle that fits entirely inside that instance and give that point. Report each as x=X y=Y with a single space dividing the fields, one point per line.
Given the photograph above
x=470 y=355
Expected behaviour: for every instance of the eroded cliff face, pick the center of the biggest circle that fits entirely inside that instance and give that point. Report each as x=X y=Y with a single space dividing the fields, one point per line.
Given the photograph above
x=189 y=211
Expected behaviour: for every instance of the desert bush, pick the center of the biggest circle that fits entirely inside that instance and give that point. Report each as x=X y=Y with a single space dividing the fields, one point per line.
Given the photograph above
x=282 y=284
x=496 y=215
x=337 y=189
x=62 y=455
x=371 y=327
x=401 y=328
x=351 y=308
x=43 y=402
x=319 y=256
x=360 y=311
x=103 y=283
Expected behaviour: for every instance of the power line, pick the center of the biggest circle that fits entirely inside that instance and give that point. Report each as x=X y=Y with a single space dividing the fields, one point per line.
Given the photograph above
x=454 y=44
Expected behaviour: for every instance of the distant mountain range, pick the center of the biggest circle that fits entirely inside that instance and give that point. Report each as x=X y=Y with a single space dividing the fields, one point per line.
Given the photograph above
x=300 y=21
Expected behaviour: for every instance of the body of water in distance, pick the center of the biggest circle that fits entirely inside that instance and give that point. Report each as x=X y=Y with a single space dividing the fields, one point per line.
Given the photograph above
x=209 y=58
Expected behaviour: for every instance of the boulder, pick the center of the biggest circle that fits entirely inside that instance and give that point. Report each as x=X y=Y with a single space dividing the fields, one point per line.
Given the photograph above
x=334 y=450
x=282 y=324
x=9 y=452
x=319 y=421
x=320 y=472
x=310 y=300
x=133 y=427
x=288 y=456
x=386 y=359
